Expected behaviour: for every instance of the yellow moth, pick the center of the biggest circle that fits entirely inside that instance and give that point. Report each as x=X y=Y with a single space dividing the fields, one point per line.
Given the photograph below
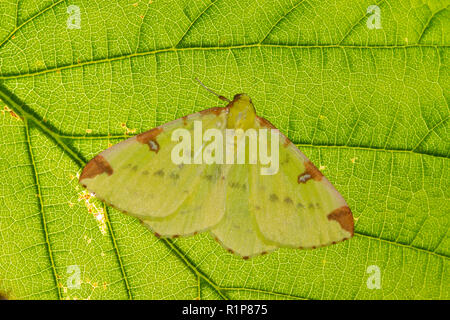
x=179 y=183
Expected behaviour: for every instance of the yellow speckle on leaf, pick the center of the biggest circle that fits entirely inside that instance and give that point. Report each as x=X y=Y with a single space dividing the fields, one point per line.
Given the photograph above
x=6 y=109
x=322 y=117
x=321 y=168
x=88 y=240
x=127 y=130
x=353 y=160
x=88 y=130
x=97 y=212
x=39 y=64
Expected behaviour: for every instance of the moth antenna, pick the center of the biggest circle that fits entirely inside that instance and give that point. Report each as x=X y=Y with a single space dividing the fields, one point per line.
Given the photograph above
x=208 y=89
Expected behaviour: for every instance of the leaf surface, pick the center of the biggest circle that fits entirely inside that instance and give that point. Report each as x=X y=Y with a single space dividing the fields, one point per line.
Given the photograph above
x=368 y=106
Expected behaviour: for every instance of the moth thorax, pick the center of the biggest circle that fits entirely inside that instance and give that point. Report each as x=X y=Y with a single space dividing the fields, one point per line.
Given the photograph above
x=242 y=113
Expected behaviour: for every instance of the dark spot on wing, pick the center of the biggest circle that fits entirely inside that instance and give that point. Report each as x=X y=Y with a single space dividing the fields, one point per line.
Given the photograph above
x=303 y=178
x=159 y=173
x=273 y=197
x=288 y=200
x=311 y=172
x=149 y=138
x=174 y=176
x=234 y=185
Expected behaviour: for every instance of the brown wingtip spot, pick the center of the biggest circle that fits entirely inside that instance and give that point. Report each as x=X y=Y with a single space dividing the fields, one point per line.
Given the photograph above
x=344 y=216
x=96 y=166
x=149 y=138
x=245 y=257
x=175 y=236
x=157 y=235
x=230 y=250
x=311 y=172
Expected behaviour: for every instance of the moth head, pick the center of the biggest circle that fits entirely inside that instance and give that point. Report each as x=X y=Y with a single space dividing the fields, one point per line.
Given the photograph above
x=242 y=112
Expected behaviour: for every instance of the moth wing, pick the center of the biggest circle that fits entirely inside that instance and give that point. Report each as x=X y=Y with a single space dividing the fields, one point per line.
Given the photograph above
x=238 y=231
x=203 y=207
x=297 y=206
x=138 y=176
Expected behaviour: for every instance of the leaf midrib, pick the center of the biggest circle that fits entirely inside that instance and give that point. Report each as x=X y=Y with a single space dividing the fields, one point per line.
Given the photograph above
x=205 y=48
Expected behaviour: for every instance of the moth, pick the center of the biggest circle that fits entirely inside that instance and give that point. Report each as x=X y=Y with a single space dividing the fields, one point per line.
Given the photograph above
x=248 y=212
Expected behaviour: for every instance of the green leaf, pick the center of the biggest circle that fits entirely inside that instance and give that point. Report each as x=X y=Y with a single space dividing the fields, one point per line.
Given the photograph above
x=368 y=105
